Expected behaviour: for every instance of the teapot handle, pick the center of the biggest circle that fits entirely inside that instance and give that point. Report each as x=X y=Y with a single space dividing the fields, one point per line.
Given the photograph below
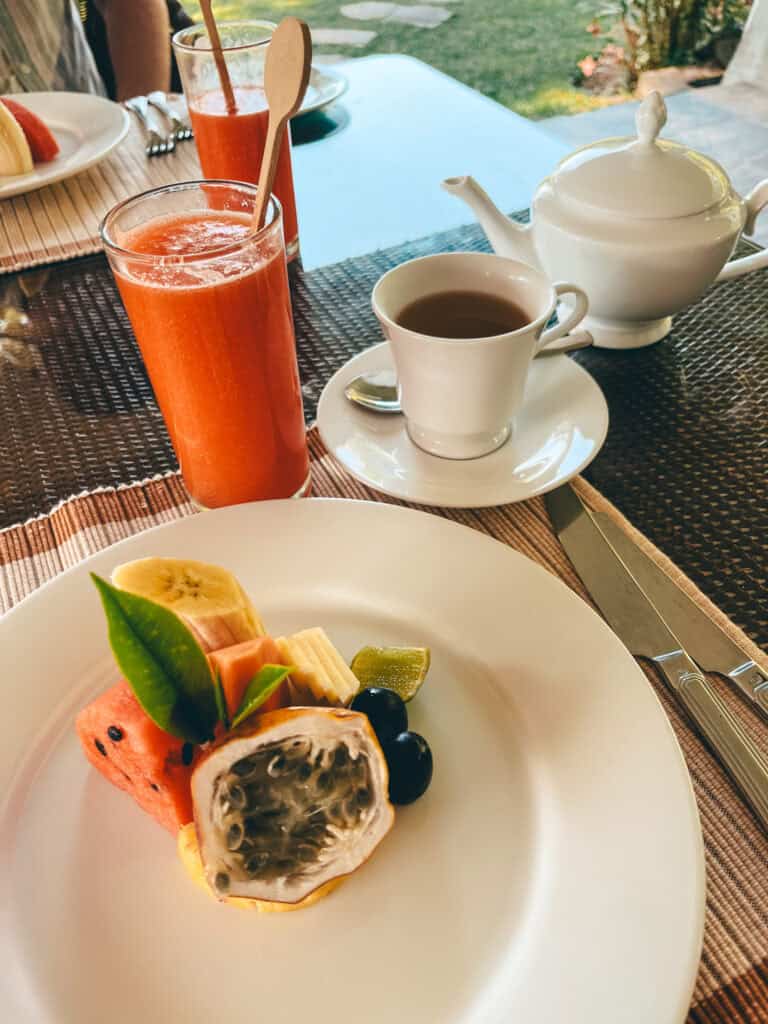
x=755 y=201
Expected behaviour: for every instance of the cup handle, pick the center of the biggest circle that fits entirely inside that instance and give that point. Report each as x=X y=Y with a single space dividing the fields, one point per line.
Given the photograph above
x=573 y=318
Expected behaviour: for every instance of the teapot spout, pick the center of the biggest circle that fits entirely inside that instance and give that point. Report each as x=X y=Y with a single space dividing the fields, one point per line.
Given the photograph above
x=507 y=238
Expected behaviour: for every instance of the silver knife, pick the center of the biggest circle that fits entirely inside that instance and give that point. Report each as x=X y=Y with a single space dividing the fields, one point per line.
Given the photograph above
x=635 y=620
x=710 y=647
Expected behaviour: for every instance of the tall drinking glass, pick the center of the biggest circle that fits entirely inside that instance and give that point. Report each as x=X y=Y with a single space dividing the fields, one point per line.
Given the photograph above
x=207 y=296
x=231 y=145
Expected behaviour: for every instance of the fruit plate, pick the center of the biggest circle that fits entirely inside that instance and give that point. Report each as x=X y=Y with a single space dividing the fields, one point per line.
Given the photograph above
x=552 y=868
x=87 y=128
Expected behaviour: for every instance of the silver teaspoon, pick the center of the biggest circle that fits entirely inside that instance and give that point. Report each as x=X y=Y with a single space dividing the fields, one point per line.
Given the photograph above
x=378 y=391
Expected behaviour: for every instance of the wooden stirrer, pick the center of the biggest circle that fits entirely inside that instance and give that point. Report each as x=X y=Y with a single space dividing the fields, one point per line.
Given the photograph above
x=221 y=65
x=286 y=76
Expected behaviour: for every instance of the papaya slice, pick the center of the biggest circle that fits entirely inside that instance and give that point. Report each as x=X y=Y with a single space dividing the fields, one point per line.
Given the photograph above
x=238 y=664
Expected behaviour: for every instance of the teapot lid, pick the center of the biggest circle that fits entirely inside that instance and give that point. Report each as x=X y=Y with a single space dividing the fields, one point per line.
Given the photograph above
x=643 y=177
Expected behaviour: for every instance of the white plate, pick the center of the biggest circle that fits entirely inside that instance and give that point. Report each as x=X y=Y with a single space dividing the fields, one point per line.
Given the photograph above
x=560 y=430
x=325 y=86
x=86 y=127
x=552 y=872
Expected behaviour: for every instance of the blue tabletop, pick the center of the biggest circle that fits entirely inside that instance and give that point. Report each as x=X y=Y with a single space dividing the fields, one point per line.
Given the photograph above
x=405 y=126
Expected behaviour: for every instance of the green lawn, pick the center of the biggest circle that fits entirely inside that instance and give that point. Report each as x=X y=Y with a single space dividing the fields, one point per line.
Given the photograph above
x=520 y=52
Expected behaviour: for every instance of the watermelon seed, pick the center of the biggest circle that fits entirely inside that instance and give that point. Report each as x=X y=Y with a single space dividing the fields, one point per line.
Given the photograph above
x=115 y=733
x=100 y=747
x=155 y=786
x=187 y=753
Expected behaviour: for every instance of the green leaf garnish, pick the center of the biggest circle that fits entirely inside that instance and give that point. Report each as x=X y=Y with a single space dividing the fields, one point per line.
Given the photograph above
x=262 y=686
x=221 y=700
x=163 y=663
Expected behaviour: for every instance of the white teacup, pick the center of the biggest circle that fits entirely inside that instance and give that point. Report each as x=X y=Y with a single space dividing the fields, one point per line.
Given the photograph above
x=460 y=397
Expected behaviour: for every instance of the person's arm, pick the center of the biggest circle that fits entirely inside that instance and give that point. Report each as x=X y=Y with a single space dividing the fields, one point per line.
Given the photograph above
x=138 y=36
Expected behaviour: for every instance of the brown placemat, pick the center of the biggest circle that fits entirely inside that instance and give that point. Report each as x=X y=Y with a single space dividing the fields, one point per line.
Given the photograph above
x=732 y=984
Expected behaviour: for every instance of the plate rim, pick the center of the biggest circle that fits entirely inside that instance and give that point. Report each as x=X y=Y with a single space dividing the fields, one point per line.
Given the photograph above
x=697 y=876
x=334 y=386
x=342 y=85
x=21 y=184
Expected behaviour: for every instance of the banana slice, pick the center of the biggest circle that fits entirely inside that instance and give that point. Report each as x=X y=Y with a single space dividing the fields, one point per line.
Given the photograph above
x=15 y=154
x=321 y=675
x=206 y=597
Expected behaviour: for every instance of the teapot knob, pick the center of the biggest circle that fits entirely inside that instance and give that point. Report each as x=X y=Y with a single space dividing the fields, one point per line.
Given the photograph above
x=650 y=118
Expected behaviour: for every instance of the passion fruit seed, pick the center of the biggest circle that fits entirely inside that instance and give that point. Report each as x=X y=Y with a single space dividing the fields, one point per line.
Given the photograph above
x=260 y=805
x=385 y=710
x=410 y=767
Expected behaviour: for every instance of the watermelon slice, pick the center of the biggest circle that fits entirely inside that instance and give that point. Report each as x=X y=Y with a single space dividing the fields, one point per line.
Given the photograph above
x=133 y=753
x=42 y=144
x=238 y=664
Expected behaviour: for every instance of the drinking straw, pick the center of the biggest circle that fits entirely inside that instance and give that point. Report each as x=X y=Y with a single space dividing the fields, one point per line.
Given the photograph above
x=218 y=56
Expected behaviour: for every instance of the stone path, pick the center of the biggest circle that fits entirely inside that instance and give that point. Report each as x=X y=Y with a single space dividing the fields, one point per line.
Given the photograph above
x=419 y=15
x=416 y=15
x=342 y=36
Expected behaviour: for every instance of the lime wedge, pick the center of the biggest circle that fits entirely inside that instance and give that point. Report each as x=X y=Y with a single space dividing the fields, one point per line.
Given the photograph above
x=401 y=669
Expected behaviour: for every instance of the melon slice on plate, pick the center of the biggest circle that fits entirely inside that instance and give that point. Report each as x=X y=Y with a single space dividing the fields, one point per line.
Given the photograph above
x=40 y=139
x=15 y=154
x=126 y=746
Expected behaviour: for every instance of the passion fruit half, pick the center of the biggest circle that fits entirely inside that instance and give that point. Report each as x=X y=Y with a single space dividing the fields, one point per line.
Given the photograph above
x=290 y=801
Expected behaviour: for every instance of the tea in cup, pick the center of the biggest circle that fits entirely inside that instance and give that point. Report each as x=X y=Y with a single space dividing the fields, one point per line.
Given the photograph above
x=463 y=329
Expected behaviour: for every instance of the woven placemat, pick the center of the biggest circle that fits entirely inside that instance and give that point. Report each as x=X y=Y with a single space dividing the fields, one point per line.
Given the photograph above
x=60 y=221
x=685 y=456
x=732 y=984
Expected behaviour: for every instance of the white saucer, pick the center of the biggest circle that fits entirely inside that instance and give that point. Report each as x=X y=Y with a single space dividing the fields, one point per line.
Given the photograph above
x=560 y=430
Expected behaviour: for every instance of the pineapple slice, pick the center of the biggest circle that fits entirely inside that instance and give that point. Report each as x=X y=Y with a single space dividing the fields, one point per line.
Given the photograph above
x=321 y=675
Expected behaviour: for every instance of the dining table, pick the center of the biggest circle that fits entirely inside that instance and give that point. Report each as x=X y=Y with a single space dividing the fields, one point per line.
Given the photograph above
x=85 y=459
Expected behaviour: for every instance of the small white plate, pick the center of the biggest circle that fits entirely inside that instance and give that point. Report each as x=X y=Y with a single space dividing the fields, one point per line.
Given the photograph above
x=560 y=430
x=324 y=87
x=86 y=127
x=552 y=872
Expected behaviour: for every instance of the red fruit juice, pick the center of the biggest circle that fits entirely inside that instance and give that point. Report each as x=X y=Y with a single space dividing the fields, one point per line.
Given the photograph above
x=217 y=340
x=230 y=146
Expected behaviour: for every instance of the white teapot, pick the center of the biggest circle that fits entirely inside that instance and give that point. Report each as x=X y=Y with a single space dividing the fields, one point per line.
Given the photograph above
x=643 y=225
